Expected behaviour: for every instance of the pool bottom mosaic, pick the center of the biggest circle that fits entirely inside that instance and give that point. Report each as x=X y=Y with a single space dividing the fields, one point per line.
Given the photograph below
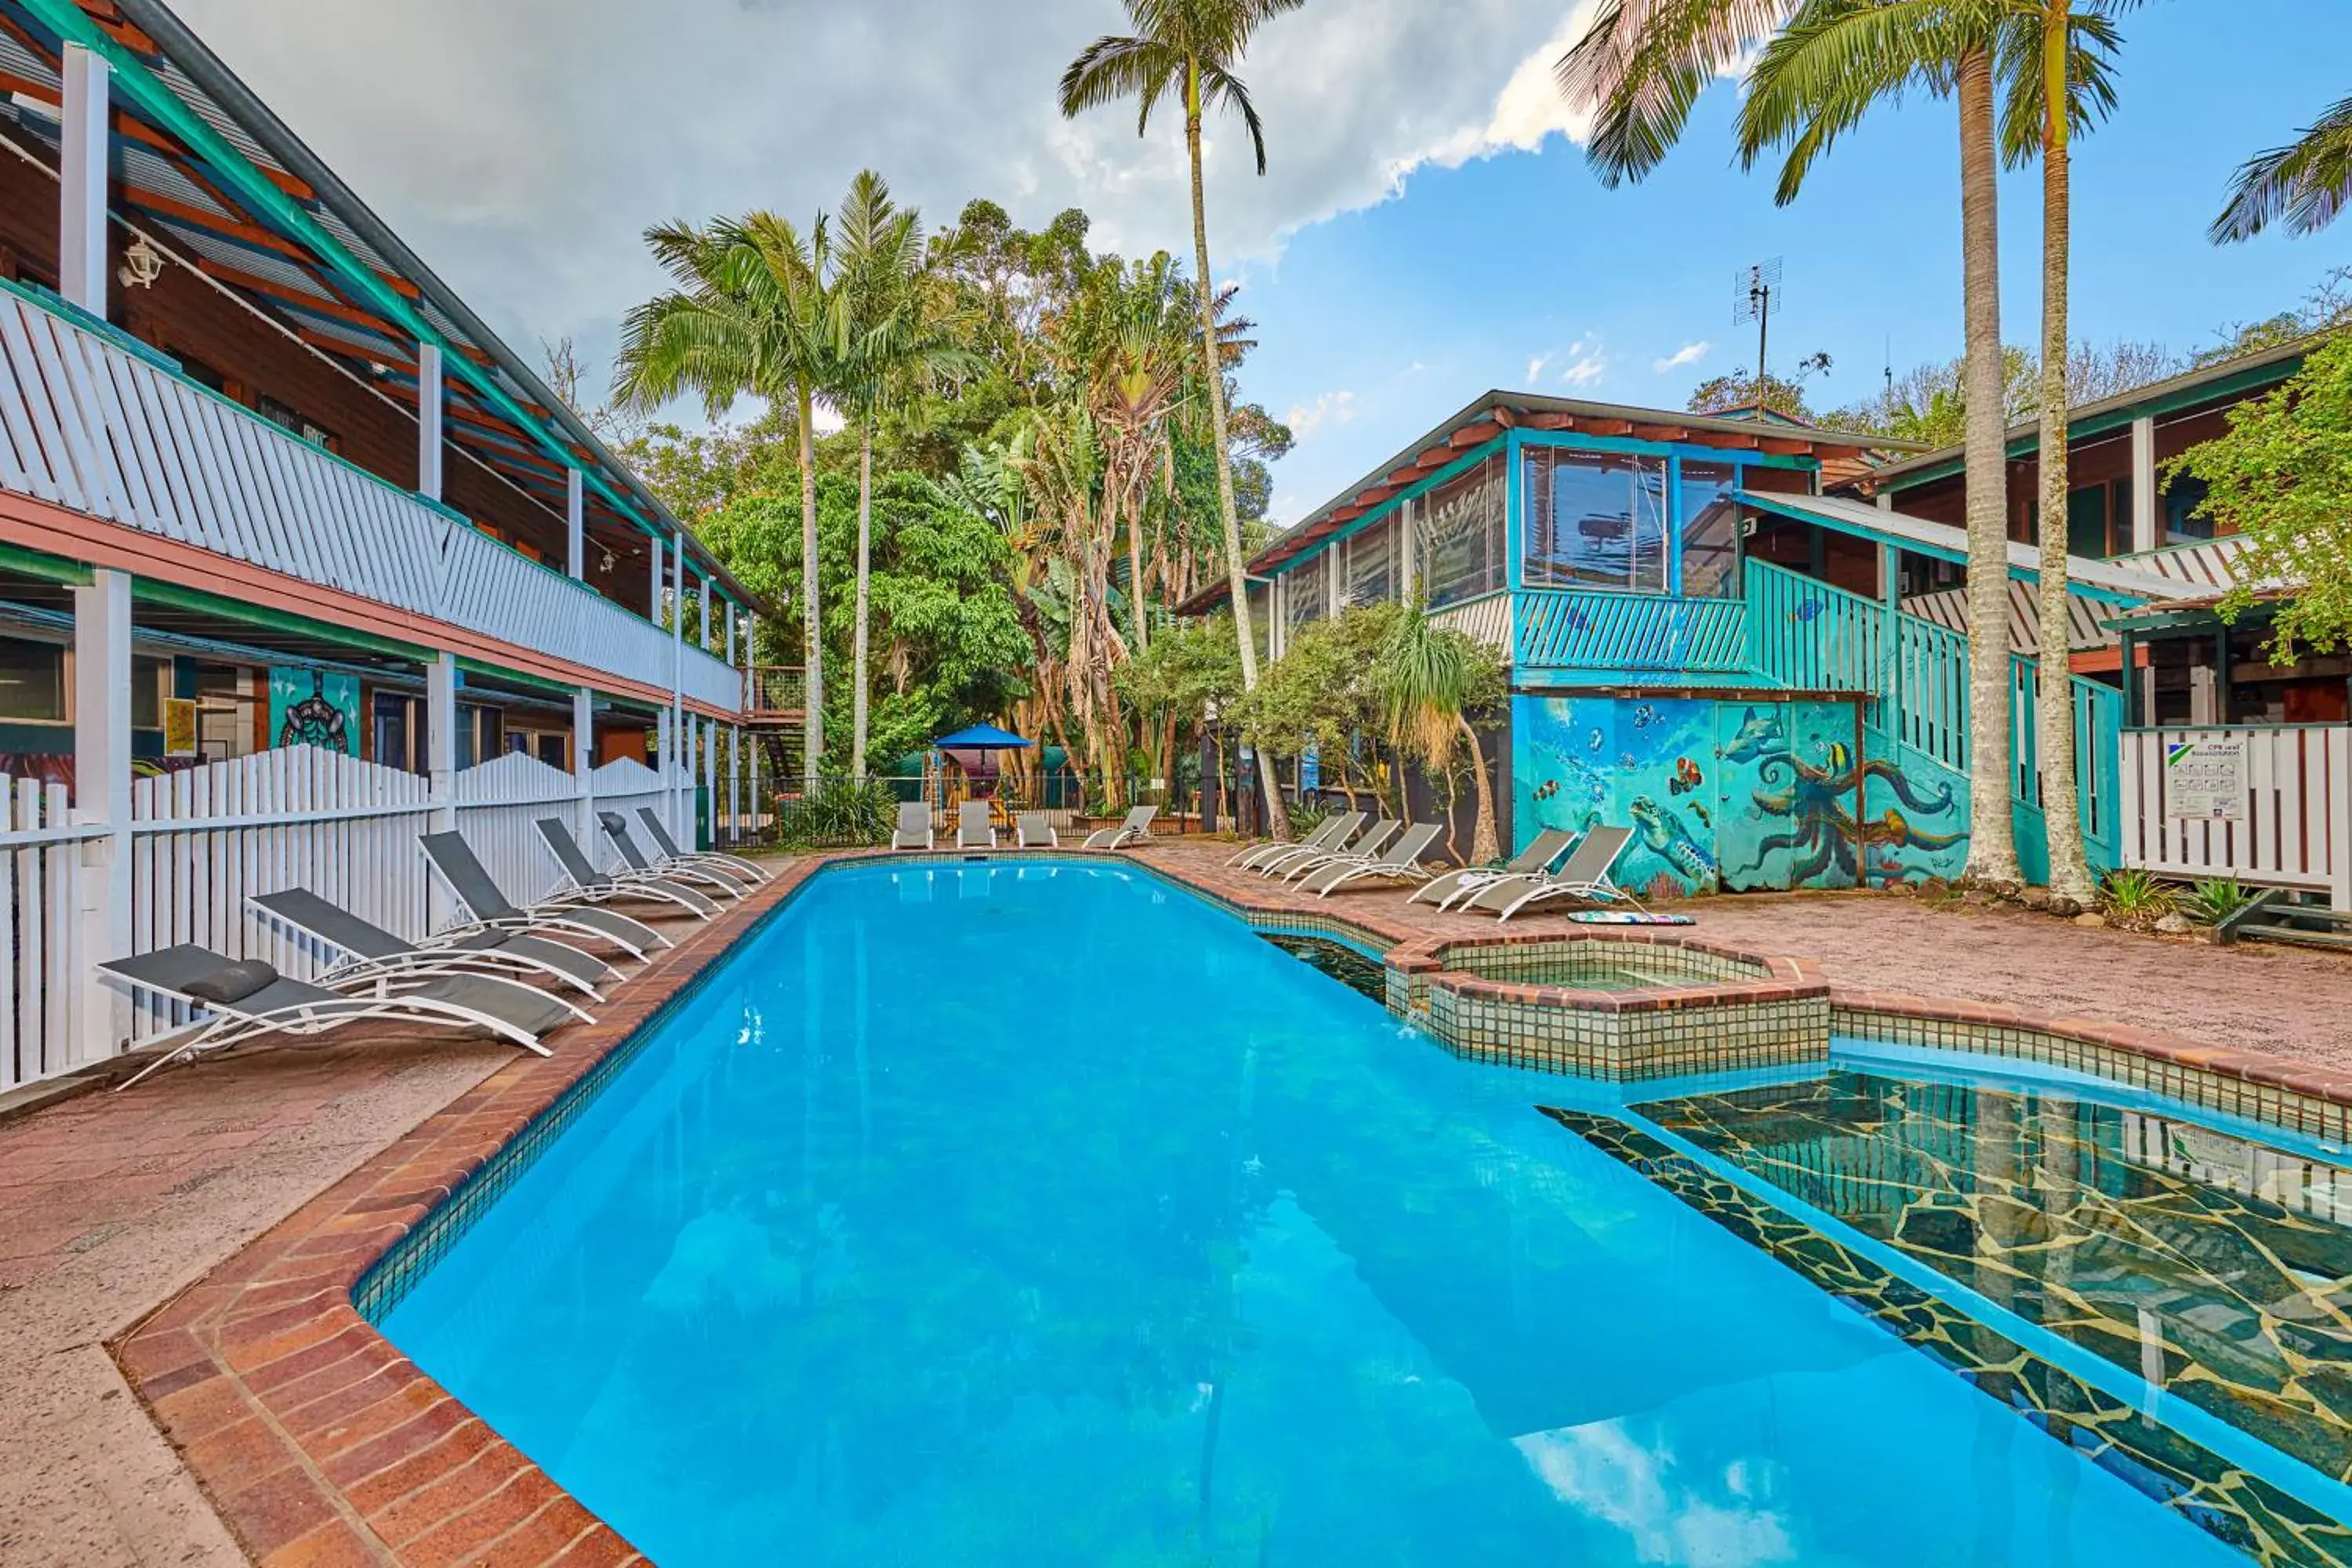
x=1365 y=976
x=2217 y=1267
x=2248 y=1514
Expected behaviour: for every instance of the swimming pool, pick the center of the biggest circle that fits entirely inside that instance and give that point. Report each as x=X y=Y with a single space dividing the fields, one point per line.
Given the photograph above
x=1040 y=1213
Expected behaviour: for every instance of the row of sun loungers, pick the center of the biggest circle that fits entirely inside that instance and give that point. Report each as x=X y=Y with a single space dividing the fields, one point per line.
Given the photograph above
x=1346 y=849
x=976 y=829
x=508 y=970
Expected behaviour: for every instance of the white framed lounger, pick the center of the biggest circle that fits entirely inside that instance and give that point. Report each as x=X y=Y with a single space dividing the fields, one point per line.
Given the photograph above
x=914 y=830
x=1035 y=830
x=1535 y=860
x=371 y=952
x=975 y=826
x=1136 y=829
x=671 y=854
x=250 y=1001
x=1332 y=838
x=582 y=880
x=1375 y=839
x=478 y=894
x=637 y=868
x=1399 y=863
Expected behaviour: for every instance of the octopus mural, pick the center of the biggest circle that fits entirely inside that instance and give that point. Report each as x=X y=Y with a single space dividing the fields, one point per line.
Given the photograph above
x=1737 y=794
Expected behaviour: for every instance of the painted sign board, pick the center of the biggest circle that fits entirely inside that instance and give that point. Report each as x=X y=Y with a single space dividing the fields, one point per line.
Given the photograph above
x=179 y=726
x=2205 y=779
x=315 y=707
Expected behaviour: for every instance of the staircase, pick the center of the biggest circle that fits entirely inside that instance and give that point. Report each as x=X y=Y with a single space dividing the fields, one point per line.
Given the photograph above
x=2277 y=915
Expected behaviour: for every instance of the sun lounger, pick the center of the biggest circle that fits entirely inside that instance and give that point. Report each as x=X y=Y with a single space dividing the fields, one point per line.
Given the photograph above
x=370 y=950
x=1333 y=831
x=1034 y=830
x=582 y=880
x=1535 y=860
x=1136 y=829
x=1401 y=862
x=477 y=892
x=617 y=828
x=914 y=829
x=1372 y=840
x=975 y=826
x=668 y=854
x=1585 y=877
x=1333 y=838
x=250 y=1000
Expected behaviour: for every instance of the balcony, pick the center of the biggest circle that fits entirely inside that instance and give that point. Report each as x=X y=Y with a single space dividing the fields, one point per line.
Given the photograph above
x=1587 y=637
x=95 y=422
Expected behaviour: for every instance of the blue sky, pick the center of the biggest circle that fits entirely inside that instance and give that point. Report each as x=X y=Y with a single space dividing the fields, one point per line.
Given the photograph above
x=1381 y=321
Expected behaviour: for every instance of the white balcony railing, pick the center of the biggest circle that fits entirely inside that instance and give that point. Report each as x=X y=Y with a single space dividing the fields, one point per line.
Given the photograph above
x=92 y=421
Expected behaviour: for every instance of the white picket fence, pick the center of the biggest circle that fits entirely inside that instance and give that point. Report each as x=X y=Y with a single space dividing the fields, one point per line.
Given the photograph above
x=40 y=935
x=2293 y=828
x=206 y=840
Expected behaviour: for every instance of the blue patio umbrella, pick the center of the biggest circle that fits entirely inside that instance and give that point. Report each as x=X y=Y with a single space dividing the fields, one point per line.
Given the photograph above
x=982 y=738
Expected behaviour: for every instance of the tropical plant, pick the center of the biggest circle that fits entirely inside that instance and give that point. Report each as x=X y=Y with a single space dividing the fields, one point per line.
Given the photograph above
x=2216 y=898
x=1191 y=49
x=2304 y=185
x=839 y=814
x=1639 y=69
x=754 y=311
x=2133 y=897
x=1431 y=680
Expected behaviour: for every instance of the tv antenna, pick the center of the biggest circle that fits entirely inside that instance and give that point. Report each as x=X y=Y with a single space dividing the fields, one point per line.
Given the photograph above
x=1755 y=295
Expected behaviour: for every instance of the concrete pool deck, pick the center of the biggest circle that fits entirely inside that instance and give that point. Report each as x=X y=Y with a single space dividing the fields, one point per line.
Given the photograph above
x=188 y=1383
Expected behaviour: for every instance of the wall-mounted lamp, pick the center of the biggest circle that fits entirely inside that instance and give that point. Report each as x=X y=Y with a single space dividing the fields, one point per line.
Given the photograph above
x=141 y=264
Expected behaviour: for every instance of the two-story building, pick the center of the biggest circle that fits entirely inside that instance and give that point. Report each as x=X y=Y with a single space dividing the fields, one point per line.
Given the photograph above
x=295 y=553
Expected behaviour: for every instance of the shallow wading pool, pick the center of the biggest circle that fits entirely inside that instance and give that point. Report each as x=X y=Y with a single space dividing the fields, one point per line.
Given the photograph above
x=1040 y=1213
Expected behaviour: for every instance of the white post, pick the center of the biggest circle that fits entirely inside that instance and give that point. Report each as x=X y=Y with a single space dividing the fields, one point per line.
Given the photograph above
x=654 y=584
x=1410 y=556
x=683 y=826
x=2143 y=492
x=706 y=636
x=82 y=185
x=441 y=757
x=1885 y=499
x=102 y=650
x=583 y=760
x=734 y=773
x=576 y=524
x=730 y=637
x=428 y=421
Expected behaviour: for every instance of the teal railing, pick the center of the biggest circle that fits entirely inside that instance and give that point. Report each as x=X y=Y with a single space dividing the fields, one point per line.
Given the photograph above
x=1636 y=634
x=1810 y=637
x=2098 y=750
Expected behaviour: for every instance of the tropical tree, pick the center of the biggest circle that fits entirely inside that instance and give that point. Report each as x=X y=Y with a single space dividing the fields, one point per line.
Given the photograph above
x=898 y=342
x=753 y=311
x=2055 y=60
x=2304 y=185
x=1431 y=680
x=1191 y=49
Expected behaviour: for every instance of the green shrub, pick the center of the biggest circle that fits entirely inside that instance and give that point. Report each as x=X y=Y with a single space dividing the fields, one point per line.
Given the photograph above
x=2215 y=900
x=2136 y=895
x=840 y=814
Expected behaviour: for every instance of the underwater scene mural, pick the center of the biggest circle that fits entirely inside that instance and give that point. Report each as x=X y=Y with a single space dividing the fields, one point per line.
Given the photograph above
x=1735 y=795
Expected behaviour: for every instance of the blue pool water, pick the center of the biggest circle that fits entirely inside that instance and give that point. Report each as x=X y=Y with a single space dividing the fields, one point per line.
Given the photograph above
x=1040 y=1213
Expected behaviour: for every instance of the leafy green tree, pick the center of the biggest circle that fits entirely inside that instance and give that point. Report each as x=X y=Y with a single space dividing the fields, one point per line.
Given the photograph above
x=1321 y=695
x=2304 y=185
x=1724 y=394
x=2281 y=477
x=1431 y=681
x=754 y=311
x=1191 y=49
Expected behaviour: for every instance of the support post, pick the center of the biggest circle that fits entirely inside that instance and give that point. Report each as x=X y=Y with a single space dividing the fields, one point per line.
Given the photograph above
x=729 y=610
x=681 y=825
x=653 y=582
x=441 y=762
x=584 y=761
x=101 y=649
x=428 y=421
x=576 y=524
x=81 y=183
x=734 y=777
x=2143 y=490
x=704 y=637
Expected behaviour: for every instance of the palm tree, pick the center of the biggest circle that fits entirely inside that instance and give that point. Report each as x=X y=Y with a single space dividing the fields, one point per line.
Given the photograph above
x=2304 y=185
x=753 y=311
x=1192 y=47
x=2055 y=60
x=1427 y=679
x=897 y=345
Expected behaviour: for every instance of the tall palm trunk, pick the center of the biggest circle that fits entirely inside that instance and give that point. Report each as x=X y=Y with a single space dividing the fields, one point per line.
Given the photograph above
x=1135 y=596
x=1277 y=818
x=865 y=595
x=1484 y=845
x=1993 y=847
x=2070 y=872
x=813 y=632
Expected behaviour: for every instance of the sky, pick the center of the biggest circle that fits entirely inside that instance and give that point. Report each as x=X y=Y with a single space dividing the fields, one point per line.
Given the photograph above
x=1428 y=229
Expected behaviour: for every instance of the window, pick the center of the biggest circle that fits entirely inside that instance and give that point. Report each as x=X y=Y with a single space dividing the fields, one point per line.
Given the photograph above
x=32 y=681
x=148 y=677
x=1306 y=592
x=394 y=729
x=2182 y=522
x=1261 y=612
x=284 y=418
x=1710 y=530
x=1595 y=520
x=1459 y=526
x=1371 y=564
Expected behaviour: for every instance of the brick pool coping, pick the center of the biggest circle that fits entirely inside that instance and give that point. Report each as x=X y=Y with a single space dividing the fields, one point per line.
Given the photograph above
x=319 y=1443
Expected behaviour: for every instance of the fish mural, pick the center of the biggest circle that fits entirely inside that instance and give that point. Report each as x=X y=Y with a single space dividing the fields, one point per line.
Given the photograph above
x=1687 y=777
x=1663 y=835
x=1759 y=735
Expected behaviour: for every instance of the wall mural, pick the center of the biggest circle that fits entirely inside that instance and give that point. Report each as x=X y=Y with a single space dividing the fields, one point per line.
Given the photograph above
x=314 y=708
x=1737 y=795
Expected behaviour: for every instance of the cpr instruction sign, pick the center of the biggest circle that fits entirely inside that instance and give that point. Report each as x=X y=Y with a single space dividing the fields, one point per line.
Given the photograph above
x=2205 y=779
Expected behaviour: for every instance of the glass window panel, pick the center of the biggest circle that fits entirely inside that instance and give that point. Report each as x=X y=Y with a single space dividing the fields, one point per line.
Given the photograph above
x=1460 y=527
x=1596 y=519
x=32 y=680
x=1260 y=609
x=1306 y=592
x=1371 y=564
x=2182 y=522
x=1710 y=530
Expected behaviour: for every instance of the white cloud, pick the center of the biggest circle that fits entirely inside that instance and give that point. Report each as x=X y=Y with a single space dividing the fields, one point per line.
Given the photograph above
x=1329 y=407
x=488 y=134
x=1535 y=368
x=1689 y=353
x=1586 y=362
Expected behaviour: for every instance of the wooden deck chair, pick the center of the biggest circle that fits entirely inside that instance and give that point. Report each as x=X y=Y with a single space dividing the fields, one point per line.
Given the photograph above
x=370 y=950
x=1401 y=862
x=250 y=1000
x=478 y=894
x=1535 y=860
